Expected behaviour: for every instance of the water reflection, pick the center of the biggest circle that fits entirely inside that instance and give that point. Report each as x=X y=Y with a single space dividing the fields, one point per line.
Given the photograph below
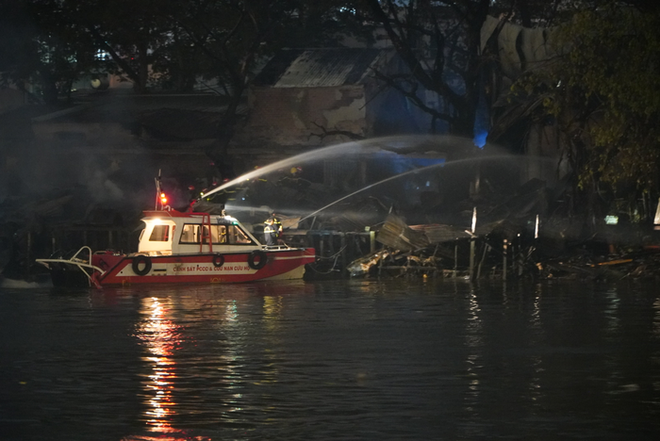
x=612 y=311
x=535 y=390
x=536 y=336
x=273 y=314
x=161 y=337
x=473 y=363
x=209 y=345
x=346 y=360
x=272 y=311
x=656 y=317
x=230 y=363
x=535 y=320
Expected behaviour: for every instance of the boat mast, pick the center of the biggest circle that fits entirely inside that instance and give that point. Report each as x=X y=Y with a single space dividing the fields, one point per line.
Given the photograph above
x=161 y=197
x=157 y=181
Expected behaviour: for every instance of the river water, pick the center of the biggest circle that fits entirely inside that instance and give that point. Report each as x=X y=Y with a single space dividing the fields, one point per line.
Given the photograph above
x=343 y=359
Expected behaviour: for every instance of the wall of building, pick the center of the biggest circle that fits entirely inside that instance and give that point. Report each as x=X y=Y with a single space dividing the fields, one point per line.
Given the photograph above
x=290 y=116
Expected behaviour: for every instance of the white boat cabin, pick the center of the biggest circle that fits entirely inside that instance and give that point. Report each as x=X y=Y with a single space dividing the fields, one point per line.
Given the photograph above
x=172 y=233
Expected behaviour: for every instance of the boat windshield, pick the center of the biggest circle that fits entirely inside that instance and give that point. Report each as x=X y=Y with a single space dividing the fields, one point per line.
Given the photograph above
x=160 y=233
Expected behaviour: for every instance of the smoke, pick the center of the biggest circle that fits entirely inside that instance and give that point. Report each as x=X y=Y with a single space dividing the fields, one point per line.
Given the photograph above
x=101 y=188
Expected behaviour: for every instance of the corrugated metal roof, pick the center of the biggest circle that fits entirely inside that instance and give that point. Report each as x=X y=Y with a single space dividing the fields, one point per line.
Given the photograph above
x=396 y=234
x=318 y=67
x=437 y=233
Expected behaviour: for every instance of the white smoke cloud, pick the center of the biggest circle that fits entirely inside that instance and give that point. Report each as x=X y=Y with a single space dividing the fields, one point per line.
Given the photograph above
x=99 y=185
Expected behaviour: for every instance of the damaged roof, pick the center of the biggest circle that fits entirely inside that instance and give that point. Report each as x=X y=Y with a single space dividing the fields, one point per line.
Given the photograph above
x=396 y=234
x=329 y=67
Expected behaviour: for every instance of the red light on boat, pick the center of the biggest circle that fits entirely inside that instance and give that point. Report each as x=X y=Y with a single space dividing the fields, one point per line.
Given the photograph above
x=163 y=198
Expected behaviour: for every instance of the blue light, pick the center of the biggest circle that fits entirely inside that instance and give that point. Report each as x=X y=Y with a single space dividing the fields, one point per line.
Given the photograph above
x=480 y=137
x=481 y=123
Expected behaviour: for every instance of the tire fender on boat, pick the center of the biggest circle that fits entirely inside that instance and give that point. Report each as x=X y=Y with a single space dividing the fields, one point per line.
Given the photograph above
x=261 y=256
x=218 y=260
x=139 y=260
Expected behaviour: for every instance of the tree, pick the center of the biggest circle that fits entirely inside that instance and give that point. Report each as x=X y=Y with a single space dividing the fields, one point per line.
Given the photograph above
x=131 y=32
x=603 y=91
x=439 y=44
x=39 y=46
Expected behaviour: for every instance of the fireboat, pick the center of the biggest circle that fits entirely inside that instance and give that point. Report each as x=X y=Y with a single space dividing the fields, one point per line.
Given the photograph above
x=183 y=248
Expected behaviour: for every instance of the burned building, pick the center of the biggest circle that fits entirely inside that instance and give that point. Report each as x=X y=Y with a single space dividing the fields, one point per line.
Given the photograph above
x=310 y=97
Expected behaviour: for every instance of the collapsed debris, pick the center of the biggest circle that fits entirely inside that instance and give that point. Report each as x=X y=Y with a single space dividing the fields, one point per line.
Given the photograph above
x=496 y=251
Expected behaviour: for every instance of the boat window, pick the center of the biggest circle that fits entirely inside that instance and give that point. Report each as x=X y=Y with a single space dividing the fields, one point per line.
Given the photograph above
x=190 y=233
x=219 y=234
x=160 y=233
x=238 y=236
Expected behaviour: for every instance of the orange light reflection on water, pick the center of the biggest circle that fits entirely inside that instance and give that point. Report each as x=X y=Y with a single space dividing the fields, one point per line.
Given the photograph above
x=161 y=338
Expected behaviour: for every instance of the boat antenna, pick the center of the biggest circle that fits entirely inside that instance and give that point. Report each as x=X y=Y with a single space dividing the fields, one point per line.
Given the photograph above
x=158 y=190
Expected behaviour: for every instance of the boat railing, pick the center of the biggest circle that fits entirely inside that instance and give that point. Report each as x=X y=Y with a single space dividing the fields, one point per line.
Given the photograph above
x=276 y=247
x=75 y=257
x=77 y=260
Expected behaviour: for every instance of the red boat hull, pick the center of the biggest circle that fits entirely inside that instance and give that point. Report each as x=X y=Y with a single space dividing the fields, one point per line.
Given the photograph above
x=281 y=264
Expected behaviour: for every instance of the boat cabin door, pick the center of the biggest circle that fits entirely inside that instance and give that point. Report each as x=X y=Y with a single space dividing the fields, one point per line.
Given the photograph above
x=157 y=237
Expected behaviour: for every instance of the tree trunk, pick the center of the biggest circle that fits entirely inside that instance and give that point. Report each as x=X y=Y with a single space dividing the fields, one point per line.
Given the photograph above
x=49 y=91
x=143 y=70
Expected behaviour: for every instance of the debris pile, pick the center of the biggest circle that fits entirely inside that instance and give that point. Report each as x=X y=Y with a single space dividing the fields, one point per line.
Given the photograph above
x=497 y=251
x=641 y=263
